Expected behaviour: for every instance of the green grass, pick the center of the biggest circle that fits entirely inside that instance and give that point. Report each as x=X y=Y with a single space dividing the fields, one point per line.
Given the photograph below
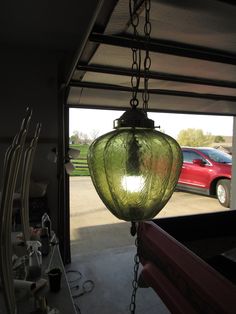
x=81 y=162
x=83 y=149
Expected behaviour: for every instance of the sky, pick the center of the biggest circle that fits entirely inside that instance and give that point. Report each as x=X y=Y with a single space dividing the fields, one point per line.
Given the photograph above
x=101 y=121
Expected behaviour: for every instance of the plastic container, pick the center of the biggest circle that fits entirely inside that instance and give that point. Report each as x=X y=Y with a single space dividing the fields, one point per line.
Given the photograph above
x=35 y=260
x=46 y=223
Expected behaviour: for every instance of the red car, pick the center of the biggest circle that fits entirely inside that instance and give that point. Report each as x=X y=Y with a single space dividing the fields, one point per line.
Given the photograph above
x=206 y=171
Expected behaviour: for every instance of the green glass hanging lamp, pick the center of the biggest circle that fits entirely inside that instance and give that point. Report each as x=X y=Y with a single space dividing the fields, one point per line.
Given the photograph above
x=135 y=168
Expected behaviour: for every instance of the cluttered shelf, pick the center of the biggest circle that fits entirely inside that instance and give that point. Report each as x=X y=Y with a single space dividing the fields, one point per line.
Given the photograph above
x=44 y=300
x=40 y=281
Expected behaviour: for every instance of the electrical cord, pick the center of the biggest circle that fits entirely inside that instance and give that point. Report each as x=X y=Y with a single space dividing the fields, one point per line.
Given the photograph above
x=74 y=284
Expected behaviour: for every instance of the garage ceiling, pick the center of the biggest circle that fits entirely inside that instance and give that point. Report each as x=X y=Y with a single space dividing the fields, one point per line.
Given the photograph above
x=193 y=52
x=50 y=27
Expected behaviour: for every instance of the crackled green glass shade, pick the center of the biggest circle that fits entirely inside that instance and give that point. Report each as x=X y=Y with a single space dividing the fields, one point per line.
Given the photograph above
x=135 y=168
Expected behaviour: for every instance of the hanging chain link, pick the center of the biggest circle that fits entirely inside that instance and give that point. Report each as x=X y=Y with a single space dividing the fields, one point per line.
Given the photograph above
x=147 y=59
x=136 y=54
x=132 y=306
x=135 y=80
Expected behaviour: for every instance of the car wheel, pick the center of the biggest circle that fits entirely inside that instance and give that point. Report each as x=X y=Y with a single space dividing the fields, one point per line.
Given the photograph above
x=223 y=192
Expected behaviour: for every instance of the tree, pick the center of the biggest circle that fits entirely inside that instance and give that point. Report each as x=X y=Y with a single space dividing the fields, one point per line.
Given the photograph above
x=194 y=137
x=74 y=139
x=94 y=134
x=79 y=138
x=84 y=138
x=219 y=139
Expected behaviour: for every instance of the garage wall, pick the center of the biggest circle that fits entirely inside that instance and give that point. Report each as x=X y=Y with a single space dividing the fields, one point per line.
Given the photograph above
x=30 y=79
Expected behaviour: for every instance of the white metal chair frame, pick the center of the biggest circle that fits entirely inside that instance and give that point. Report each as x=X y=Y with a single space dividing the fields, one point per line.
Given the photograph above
x=25 y=182
x=10 y=172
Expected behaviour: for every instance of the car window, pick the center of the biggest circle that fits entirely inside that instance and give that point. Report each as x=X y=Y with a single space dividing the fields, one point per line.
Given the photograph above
x=217 y=155
x=189 y=156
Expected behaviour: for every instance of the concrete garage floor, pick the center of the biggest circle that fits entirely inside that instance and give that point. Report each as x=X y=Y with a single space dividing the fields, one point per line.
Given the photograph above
x=103 y=249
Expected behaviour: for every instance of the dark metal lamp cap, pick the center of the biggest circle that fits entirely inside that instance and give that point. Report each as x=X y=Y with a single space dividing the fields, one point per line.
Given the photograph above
x=134 y=118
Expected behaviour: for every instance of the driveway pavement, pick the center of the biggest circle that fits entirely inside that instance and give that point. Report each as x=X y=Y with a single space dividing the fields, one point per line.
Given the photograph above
x=94 y=228
x=103 y=249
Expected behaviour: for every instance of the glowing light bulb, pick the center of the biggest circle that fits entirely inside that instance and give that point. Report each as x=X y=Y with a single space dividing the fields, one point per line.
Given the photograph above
x=133 y=184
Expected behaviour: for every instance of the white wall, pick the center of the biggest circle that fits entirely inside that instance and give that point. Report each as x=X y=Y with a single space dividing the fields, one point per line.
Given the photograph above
x=30 y=79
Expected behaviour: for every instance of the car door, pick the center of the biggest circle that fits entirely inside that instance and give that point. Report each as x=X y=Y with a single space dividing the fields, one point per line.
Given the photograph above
x=194 y=174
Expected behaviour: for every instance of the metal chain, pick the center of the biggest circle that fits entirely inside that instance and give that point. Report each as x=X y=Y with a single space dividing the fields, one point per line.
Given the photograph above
x=136 y=54
x=132 y=306
x=147 y=60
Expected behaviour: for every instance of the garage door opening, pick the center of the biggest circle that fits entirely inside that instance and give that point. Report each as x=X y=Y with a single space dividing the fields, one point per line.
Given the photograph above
x=90 y=220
